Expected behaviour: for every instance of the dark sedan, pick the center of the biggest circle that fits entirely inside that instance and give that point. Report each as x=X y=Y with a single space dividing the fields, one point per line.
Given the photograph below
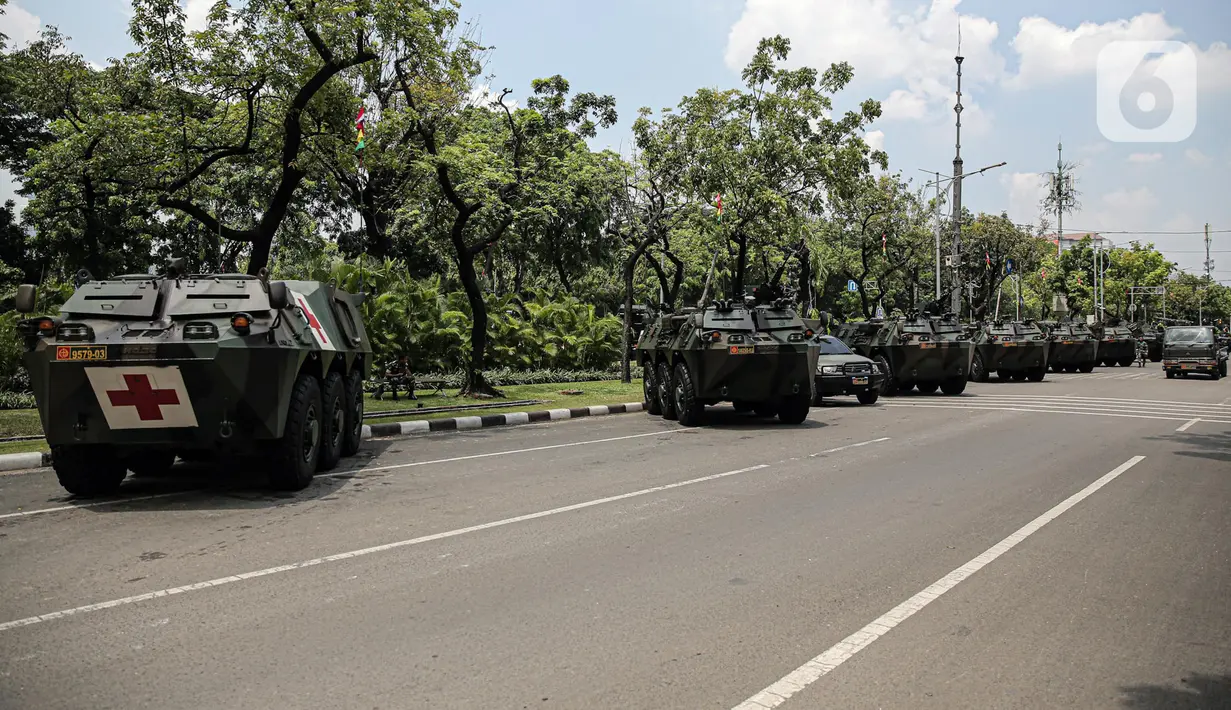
x=840 y=371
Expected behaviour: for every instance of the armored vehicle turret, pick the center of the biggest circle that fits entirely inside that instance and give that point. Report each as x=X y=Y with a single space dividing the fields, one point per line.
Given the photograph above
x=927 y=352
x=137 y=370
x=1071 y=346
x=1014 y=350
x=754 y=353
x=1117 y=344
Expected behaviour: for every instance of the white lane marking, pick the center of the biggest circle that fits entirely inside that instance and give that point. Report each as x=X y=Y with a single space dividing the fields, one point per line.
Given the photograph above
x=352 y=472
x=1187 y=424
x=1146 y=407
x=51 y=616
x=818 y=667
x=848 y=446
x=1111 y=399
x=1044 y=409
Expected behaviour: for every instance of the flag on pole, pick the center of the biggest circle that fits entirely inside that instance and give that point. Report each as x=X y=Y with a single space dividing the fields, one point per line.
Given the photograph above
x=720 y=207
x=1043 y=273
x=884 y=243
x=988 y=259
x=359 y=144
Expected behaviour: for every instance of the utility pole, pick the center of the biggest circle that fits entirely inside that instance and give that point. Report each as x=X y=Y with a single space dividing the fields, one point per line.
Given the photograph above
x=1018 y=278
x=956 y=306
x=938 y=229
x=1209 y=268
x=1059 y=188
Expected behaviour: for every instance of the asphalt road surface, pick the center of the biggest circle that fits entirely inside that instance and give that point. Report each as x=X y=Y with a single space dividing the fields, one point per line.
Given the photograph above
x=1065 y=544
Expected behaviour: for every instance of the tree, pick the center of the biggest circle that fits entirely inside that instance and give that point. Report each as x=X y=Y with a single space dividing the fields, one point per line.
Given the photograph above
x=990 y=242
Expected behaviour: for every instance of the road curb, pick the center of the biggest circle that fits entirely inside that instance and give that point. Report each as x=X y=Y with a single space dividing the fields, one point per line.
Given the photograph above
x=427 y=426
x=35 y=459
x=29 y=459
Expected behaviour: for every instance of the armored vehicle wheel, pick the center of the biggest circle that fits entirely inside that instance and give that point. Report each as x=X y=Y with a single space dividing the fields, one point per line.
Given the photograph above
x=1170 y=375
x=666 y=391
x=1086 y=367
x=794 y=409
x=1018 y=375
x=1126 y=362
x=953 y=385
x=765 y=410
x=649 y=389
x=333 y=421
x=890 y=385
x=150 y=463
x=687 y=407
x=743 y=407
x=354 y=413
x=297 y=452
x=1036 y=374
x=928 y=387
x=867 y=397
x=978 y=371
x=87 y=470
x=905 y=387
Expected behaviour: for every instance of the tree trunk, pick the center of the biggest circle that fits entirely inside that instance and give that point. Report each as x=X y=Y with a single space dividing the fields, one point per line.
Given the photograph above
x=476 y=384
x=375 y=219
x=562 y=273
x=630 y=267
x=741 y=264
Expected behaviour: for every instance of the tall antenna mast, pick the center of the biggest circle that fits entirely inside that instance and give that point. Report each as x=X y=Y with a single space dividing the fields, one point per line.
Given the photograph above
x=1059 y=199
x=956 y=304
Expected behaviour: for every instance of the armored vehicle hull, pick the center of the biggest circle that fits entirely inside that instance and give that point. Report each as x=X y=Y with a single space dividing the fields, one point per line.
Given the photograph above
x=927 y=353
x=1014 y=351
x=1117 y=345
x=1071 y=348
x=756 y=357
x=139 y=370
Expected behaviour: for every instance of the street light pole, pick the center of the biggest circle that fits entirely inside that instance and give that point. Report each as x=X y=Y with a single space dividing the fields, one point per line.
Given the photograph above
x=937 y=236
x=956 y=305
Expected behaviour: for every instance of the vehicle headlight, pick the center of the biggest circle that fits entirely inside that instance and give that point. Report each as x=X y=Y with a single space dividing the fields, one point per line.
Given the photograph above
x=831 y=369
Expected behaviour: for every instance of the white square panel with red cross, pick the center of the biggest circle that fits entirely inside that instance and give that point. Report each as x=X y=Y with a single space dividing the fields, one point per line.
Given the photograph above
x=318 y=330
x=142 y=397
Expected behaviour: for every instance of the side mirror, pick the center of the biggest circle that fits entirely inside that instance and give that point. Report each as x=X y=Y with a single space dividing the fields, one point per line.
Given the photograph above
x=26 y=295
x=279 y=297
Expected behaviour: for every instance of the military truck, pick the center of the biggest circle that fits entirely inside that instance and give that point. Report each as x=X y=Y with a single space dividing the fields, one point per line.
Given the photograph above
x=140 y=369
x=1117 y=344
x=1014 y=350
x=1194 y=348
x=1071 y=346
x=914 y=351
x=753 y=353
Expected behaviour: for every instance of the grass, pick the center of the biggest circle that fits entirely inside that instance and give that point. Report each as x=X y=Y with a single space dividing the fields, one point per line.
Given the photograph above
x=25 y=422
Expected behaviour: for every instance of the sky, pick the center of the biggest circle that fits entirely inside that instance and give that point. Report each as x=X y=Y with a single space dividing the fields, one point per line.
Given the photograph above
x=1031 y=80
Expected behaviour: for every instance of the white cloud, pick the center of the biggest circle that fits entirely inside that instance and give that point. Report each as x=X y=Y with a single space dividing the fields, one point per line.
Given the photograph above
x=875 y=139
x=1025 y=190
x=20 y=25
x=882 y=44
x=1197 y=156
x=8 y=190
x=1145 y=157
x=1141 y=198
x=1095 y=148
x=196 y=14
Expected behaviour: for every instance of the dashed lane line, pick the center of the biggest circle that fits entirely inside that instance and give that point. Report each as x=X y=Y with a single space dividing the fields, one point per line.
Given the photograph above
x=825 y=663
x=231 y=579
x=1187 y=424
x=1053 y=410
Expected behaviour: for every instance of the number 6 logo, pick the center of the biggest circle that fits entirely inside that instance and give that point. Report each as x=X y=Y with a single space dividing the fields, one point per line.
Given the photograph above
x=1146 y=92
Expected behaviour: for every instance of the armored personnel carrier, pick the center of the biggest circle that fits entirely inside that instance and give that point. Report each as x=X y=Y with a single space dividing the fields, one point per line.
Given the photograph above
x=914 y=351
x=1014 y=350
x=139 y=369
x=1117 y=344
x=755 y=354
x=1071 y=346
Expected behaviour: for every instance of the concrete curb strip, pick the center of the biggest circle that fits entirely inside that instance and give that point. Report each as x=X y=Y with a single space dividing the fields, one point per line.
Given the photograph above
x=34 y=459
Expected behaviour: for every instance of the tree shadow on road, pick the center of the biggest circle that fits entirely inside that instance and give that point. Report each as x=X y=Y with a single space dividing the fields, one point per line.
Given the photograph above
x=1215 y=446
x=1196 y=692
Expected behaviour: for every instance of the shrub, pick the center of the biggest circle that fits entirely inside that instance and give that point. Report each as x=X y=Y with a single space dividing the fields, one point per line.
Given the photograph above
x=16 y=400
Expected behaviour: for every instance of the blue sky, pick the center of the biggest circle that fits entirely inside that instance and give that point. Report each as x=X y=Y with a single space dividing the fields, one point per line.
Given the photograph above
x=1028 y=81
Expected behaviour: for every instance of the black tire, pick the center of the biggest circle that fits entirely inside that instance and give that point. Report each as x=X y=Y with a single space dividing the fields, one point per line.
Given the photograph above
x=927 y=387
x=1127 y=362
x=1216 y=375
x=1018 y=375
x=666 y=394
x=868 y=397
x=953 y=386
x=1036 y=374
x=889 y=386
x=905 y=387
x=1222 y=368
x=688 y=408
x=794 y=409
x=649 y=390
x=88 y=470
x=150 y=463
x=298 y=451
x=765 y=410
x=743 y=407
x=978 y=371
x=333 y=421
x=354 y=413
x=1170 y=375
x=1086 y=367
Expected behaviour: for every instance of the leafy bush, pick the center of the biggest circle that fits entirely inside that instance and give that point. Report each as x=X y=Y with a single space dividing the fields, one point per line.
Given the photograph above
x=503 y=377
x=16 y=400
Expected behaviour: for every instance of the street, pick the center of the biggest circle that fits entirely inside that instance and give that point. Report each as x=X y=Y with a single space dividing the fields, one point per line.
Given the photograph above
x=1059 y=544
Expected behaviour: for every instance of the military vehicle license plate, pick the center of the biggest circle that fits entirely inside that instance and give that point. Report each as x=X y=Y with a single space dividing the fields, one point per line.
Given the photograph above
x=927 y=345
x=859 y=380
x=741 y=349
x=1009 y=345
x=81 y=353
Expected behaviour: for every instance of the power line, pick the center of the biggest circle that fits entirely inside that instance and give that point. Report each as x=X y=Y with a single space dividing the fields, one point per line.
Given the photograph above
x=1199 y=232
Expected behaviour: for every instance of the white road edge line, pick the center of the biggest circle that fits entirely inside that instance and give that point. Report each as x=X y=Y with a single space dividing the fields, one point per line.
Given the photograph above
x=822 y=665
x=1051 y=410
x=336 y=474
x=1187 y=424
x=6 y=626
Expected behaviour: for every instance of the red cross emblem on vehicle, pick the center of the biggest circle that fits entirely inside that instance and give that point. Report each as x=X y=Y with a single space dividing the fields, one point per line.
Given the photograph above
x=318 y=328
x=143 y=397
